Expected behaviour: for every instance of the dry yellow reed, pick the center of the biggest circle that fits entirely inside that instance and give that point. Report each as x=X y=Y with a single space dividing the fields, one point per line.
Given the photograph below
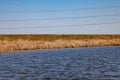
x=19 y=45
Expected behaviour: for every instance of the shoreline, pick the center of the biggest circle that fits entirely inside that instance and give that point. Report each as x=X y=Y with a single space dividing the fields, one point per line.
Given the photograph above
x=22 y=51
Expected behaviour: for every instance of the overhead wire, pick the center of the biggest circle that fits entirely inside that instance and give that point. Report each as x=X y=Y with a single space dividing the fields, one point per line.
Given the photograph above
x=60 y=18
x=64 y=10
x=79 y=25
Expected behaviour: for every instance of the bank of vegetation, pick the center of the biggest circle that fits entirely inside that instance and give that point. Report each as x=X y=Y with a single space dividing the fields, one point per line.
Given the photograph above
x=10 y=43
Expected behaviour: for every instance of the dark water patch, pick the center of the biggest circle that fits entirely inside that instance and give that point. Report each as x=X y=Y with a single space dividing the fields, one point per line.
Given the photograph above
x=97 y=63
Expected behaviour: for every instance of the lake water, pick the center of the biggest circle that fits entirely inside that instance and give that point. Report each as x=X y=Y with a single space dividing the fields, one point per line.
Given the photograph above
x=95 y=63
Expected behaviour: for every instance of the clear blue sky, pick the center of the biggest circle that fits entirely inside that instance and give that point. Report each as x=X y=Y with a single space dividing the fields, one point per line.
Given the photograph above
x=20 y=10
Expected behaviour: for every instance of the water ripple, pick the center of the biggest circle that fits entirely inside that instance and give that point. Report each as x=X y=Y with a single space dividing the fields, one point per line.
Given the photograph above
x=98 y=63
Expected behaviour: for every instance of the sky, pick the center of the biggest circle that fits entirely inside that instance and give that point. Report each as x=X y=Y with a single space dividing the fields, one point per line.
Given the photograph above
x=59 y=16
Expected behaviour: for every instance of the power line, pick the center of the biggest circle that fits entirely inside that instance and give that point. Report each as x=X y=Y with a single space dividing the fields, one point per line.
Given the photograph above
x=80 y=25
x=64 y=10
x=60 y=18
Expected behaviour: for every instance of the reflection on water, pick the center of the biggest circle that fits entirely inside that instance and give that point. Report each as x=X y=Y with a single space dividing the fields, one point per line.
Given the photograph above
x=66 y=64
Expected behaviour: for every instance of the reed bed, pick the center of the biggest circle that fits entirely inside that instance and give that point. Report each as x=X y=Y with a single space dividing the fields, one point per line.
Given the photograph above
x=10 y=43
